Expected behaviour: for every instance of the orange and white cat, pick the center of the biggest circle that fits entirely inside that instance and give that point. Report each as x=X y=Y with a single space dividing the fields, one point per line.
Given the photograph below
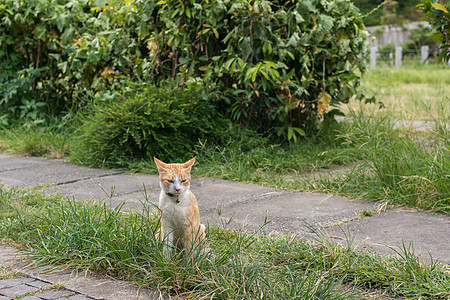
x=180 y=218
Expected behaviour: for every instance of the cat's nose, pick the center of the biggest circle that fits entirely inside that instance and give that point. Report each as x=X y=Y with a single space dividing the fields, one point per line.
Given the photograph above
x=177 y=189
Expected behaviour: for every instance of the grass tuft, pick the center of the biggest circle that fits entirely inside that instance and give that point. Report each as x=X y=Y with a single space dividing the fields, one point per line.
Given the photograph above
x=34 y=141
x=9 y=272
x=398 y=168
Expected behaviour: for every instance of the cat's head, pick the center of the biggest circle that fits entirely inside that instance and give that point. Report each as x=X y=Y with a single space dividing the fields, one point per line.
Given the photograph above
x=174 y=178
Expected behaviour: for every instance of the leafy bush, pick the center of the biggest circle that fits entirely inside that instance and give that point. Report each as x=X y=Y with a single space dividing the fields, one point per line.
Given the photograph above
x=274 y=65
x=439 y=17
x=145 y=122
x=420 y=37
x=34 y=45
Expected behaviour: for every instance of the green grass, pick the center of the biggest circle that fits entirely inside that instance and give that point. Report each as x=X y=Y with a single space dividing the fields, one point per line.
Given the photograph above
x=9 y=272
x=380 y=162
x=417 y=92
x=398 y=167
x=235 y=264
x=254 y=159
x=54 y=139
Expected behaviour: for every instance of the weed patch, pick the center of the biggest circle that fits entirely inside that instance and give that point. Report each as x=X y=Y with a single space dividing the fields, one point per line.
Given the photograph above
x=9 y=272
x=398 y=168
x=235 y=264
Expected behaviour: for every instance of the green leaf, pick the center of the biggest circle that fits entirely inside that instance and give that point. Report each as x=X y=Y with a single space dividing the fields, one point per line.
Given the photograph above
x=300 y=131
x=293 y=40
x=63 y=66
x=216 y=33
x=228 y=63
x=437 y=36
x=264 y=48
x=264 y=74
x=185 y=60
x=290 y=74
x=438 y=6
x=188 y=12
x=290 y=55
x=227 y=37
x=40 y=32
x=270 y=64
x=441 y=56
x=170 y=40
x=274 y=74
x=233 y=67
x=254 y=75
x=175 y=13
x=290 y=133
x=298 y=18
x=67 y=35
x=246 y=50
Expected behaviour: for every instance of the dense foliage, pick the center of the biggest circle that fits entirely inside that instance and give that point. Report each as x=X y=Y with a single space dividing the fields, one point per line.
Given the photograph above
x=35 y=44
x=146 y=121
x=385 y=12
x=439 y=17
x=271 y=65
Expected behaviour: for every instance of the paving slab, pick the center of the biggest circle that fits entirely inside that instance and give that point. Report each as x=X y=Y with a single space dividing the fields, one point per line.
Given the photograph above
x=55 y=294
x=424 y=232
x=77 y=285
x=117 y=186
x=29 y=172
x=20 y=289
x=290 y=211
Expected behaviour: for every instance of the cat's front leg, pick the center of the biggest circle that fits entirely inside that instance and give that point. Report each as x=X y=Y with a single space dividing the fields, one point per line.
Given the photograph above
x=168 y=244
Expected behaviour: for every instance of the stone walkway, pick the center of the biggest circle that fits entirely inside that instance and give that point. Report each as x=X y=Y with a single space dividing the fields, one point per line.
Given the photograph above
x=288 y=211
x=27 y=288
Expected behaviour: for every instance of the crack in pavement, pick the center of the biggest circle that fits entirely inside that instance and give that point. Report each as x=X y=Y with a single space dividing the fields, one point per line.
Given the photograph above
x=247 y=199
x=89 y=178
x=13 y=169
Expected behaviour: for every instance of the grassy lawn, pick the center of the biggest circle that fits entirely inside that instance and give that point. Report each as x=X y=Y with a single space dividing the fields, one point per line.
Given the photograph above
x=410 y=93
x=235 y=264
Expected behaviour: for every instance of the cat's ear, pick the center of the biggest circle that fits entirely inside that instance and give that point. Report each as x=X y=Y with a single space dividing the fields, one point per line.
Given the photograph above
x=189 y=163
x=161 y=166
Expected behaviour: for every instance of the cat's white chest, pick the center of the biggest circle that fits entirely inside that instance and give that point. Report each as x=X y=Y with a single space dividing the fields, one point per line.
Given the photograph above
x=174 y=213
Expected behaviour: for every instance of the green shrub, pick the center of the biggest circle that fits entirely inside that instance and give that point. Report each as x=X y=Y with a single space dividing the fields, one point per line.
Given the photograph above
x=274 y=65
x=35 y=43
x=420 y=37
x=438 y=16
x=145 y=122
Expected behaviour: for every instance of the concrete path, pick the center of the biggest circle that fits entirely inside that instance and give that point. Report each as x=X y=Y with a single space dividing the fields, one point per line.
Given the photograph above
x=249 y=205
x=36 y=283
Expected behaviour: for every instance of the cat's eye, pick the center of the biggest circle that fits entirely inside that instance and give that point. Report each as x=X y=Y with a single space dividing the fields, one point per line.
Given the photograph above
x=183 y=181
x=169 y=181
